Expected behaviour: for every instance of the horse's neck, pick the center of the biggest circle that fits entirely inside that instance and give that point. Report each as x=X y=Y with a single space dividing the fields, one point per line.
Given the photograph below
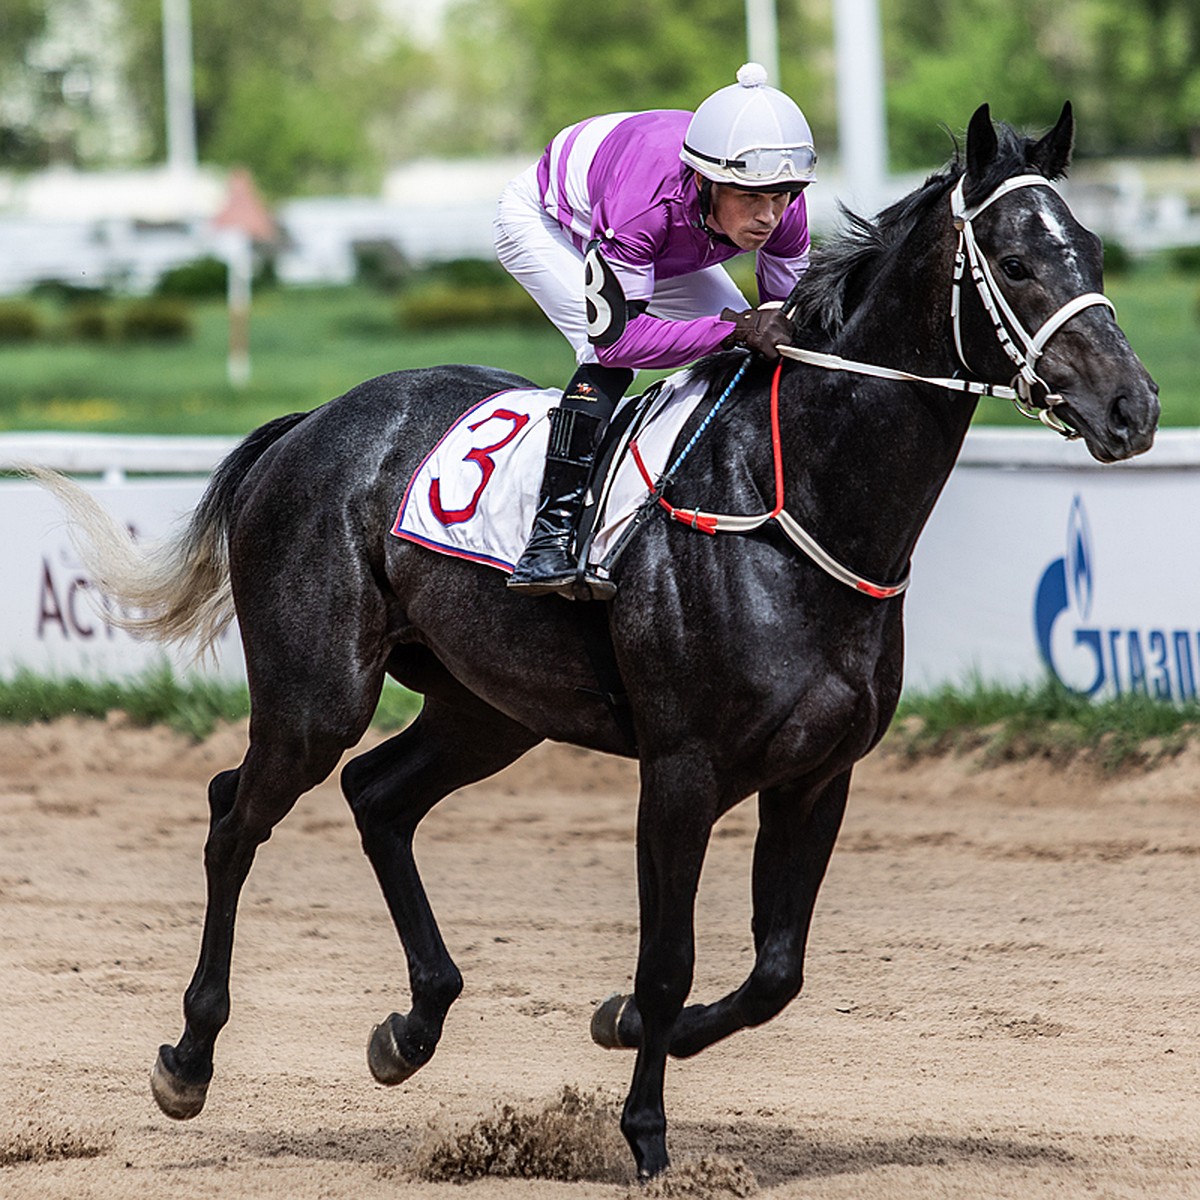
x=903 y=321
x=873 y=455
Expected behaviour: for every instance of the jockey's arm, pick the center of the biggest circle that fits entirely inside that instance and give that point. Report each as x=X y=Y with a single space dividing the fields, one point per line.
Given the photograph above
x=624 y=334
x=654 y=342
x=777 y=276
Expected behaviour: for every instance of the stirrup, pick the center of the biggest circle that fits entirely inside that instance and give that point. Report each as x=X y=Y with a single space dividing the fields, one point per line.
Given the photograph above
x=550 y=570
x=577 y=585
x=587 y=585
x=550 y=585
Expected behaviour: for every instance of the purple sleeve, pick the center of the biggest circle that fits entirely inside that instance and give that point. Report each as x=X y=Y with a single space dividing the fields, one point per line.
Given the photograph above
x=784 y=258
x=632 y=250
x=777 y=276
x=651 y=342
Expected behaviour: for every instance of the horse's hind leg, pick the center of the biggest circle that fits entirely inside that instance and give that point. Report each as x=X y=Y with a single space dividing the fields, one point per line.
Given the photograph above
x=797 y=831
x=390 y=789
x=245 y=805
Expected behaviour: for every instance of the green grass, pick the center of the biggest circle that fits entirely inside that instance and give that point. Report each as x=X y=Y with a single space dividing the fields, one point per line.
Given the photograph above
x=308 y=346
x=1159 y=310
x=1047 y=722
x=193 y=706
x=1001 y=724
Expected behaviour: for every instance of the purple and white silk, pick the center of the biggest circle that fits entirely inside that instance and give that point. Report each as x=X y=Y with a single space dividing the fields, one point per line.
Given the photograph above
x=618 y=178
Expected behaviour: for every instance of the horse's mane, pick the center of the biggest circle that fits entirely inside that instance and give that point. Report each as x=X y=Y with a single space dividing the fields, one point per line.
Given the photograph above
x=839 y=277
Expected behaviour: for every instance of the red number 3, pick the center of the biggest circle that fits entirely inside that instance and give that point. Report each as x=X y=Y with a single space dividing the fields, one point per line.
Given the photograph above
x=481 y=457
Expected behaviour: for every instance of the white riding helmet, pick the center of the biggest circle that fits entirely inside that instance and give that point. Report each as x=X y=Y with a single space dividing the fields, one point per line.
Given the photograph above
x=752 y=136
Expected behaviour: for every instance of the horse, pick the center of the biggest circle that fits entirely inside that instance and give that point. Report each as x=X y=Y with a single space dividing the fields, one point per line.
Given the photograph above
x=747 y=667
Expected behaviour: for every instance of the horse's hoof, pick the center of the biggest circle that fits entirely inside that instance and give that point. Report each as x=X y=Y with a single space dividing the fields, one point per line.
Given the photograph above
x=651 y=1163
x=387 y=1063
x=178 y=1100
x=617 y=1024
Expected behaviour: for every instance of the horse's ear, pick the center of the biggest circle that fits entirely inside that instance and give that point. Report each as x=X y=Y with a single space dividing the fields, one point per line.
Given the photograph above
x=981 y=143
x=1052 y=155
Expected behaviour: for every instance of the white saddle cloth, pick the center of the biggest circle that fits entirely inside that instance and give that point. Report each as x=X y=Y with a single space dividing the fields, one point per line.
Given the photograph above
x=475 y=494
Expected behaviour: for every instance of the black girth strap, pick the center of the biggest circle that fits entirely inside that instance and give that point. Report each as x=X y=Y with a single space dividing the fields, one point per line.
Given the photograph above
x=597 y=642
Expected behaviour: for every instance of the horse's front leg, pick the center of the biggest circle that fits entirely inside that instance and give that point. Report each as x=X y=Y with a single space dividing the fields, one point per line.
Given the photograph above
x=675 y=817
x=798 y=826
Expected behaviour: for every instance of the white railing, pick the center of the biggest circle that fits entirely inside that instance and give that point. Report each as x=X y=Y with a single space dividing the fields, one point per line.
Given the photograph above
x=113 y=456
x=1034 y=553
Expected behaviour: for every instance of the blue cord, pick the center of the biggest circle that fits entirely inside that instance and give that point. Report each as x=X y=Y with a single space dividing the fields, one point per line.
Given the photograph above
x=712 y=412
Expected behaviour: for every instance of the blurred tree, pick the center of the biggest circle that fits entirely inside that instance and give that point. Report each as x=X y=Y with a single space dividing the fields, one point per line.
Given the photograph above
x=476 y=100
x=516 y=71
x=1131 y=68
x=321 y=94
x=1144 y=86
x=944 y=60
x=300 y=91
x=536 y=66
x=22 y=22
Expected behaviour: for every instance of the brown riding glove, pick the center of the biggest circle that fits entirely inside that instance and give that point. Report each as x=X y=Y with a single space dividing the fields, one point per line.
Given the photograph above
x=760 y=329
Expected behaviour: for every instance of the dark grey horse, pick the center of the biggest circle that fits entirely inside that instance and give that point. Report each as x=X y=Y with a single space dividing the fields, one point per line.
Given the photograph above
x=748 y=669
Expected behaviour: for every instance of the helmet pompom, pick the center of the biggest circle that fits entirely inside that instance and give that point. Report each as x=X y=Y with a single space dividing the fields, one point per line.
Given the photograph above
x=752 y=75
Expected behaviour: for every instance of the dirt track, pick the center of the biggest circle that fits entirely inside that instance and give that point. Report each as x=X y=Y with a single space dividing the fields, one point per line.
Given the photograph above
x=1003 y=994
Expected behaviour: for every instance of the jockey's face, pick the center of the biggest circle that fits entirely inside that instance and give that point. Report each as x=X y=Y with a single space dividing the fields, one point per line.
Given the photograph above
x=747 y=218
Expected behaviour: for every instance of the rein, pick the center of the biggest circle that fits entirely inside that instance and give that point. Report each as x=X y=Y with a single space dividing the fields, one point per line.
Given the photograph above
x=1020 y=391
x=713 y=523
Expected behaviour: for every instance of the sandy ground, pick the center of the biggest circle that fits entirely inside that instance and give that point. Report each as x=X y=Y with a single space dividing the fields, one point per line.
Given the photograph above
x=1003 y=994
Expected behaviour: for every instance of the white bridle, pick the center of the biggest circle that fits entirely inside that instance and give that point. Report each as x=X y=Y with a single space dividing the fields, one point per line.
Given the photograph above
x=1000 y=311
x=1020 y=392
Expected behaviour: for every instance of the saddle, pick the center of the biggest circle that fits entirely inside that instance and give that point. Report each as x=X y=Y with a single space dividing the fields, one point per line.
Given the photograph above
x=475 y=494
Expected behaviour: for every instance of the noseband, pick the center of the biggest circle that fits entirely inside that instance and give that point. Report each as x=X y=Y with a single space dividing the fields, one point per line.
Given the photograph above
x=1021 y=391
x=1000 y=311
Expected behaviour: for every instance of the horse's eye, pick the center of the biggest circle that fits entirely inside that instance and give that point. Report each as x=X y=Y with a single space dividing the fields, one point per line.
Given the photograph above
x=1013 y=268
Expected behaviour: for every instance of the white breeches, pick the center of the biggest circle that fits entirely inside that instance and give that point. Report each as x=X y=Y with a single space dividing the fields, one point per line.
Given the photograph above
x=539 y=254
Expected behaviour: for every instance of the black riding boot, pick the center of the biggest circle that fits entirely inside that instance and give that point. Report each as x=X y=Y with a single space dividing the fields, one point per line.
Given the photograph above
x=548 y=563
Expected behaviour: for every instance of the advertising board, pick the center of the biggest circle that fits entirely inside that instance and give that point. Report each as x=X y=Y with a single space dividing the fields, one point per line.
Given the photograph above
x=52 y=619
x=1036 y=560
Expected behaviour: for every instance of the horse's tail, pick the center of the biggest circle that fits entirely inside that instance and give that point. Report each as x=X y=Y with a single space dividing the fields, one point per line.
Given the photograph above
x=176 y=589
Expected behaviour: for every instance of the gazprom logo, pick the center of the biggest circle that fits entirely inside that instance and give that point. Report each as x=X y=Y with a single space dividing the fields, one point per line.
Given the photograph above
x=1105 y=658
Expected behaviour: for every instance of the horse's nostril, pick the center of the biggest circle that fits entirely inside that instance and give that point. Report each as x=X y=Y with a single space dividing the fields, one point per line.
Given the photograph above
x=1118 y=417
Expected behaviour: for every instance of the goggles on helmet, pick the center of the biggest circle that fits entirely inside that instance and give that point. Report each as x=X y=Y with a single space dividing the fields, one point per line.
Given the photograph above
x=763 y=165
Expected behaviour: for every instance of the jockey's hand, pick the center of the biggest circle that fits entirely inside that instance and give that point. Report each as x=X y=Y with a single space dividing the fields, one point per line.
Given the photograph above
x=760 y=329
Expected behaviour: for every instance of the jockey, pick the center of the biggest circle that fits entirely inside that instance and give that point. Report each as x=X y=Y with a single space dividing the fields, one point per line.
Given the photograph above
x=619 y=233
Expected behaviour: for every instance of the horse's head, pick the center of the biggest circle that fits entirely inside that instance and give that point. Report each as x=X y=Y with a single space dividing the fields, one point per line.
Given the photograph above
x=1038 y=278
